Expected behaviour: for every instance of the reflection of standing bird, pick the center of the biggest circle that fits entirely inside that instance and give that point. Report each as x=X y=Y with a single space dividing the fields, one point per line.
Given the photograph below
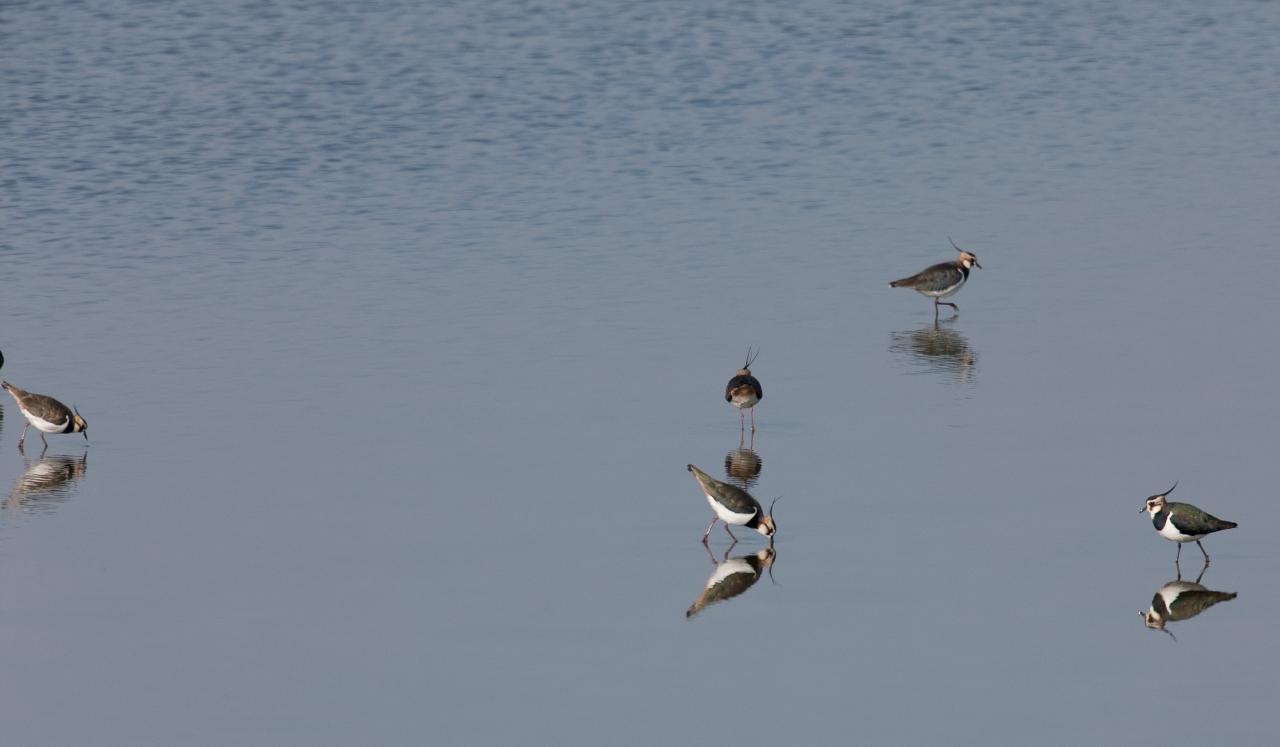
x=743 y=466
x=733 y=505
x=1182 y=522
x=1181 y=600
x=941 y=280
x=731 y=578
x=47 y=414
x=743 y=391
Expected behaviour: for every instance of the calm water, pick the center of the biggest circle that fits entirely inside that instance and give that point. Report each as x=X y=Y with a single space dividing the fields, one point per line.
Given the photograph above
x=396 y=324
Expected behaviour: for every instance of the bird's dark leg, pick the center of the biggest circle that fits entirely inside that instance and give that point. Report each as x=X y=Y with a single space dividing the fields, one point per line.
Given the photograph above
x=1206 y=555
x=730 y=531
x=1202 y=570
x=43 y=440
x=1176 y=558
x=710 y=526
x=728 y=549
x=948 y=303
x=23 y=437
x=706 y=547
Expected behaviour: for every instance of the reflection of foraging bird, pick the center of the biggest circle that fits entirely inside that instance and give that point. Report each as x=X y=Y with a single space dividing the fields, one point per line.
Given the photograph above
x=733 y=505
x=743 y=391
x=1181 y=600
x=941 y=280
x=1182 y=522
x=47 y=414
x=731 y=578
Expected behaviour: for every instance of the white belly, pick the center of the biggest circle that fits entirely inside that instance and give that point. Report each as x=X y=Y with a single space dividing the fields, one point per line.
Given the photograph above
x=744 y=401
x=1173 y=535
x=726 y=515
x=45 y=425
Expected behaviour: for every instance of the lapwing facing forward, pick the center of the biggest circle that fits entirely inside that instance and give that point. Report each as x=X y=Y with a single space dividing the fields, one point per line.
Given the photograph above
x=1182 y=522
x=733 y=505
x=941 y=280
x=47 y=414
x=743 y=391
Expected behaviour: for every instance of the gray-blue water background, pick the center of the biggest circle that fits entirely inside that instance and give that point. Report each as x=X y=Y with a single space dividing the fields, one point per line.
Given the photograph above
x=395 y=325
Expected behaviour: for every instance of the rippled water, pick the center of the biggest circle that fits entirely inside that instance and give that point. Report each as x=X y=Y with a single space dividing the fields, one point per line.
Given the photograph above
x=396 y=325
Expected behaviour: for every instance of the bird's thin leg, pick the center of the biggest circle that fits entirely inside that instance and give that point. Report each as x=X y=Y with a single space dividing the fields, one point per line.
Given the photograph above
x=730 y=531
x=710 y=526
x=709 y=555
x=1176 y=558
x=42 y=438
x=753 y=420
x=728 y=549
x=23 y=437
x=1206 y=555
x=1202 y=570
x=948 y=303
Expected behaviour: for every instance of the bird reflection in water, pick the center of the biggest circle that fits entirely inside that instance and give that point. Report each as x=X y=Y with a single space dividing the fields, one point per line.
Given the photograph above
x=47 y=481
x=937 y=349
x=742 y=465
x=1181 y=600
x=732 y=577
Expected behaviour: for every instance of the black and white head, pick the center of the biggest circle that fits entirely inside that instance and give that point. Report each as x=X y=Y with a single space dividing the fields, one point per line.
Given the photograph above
x=1155 y=621
x=767 y=527
x=78 y=424
x=746 y=367
x=968 y=259
x=1156 y=503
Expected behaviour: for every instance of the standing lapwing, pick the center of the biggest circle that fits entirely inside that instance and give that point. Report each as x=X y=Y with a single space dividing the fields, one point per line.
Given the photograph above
x=733 y=505
x=732 y=577
x=743 y=391
x=941 y=280
x=1181 y=600
x=1182 y=522
x=47 y=414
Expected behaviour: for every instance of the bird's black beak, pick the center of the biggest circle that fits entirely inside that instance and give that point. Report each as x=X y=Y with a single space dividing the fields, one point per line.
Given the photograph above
x=975 y=264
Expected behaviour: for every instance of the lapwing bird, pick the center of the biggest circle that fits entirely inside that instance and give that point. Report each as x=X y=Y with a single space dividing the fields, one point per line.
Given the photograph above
x=1182 y=522
x=743 y=391
x=742 y=466
x=733 y=505
x=48 y=480
x=47 y=414
x=936 y=349
x=1181 y=600
x=731 y=578
x=941 y=280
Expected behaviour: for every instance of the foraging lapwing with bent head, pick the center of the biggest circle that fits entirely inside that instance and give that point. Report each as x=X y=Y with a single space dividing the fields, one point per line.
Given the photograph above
x=743 y=391
x=1182 y=522
x=941 y=280
x=47 y=414
x=733 y=505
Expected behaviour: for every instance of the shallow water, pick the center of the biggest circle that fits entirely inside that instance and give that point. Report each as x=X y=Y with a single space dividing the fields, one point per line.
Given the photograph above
x=395 y=327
